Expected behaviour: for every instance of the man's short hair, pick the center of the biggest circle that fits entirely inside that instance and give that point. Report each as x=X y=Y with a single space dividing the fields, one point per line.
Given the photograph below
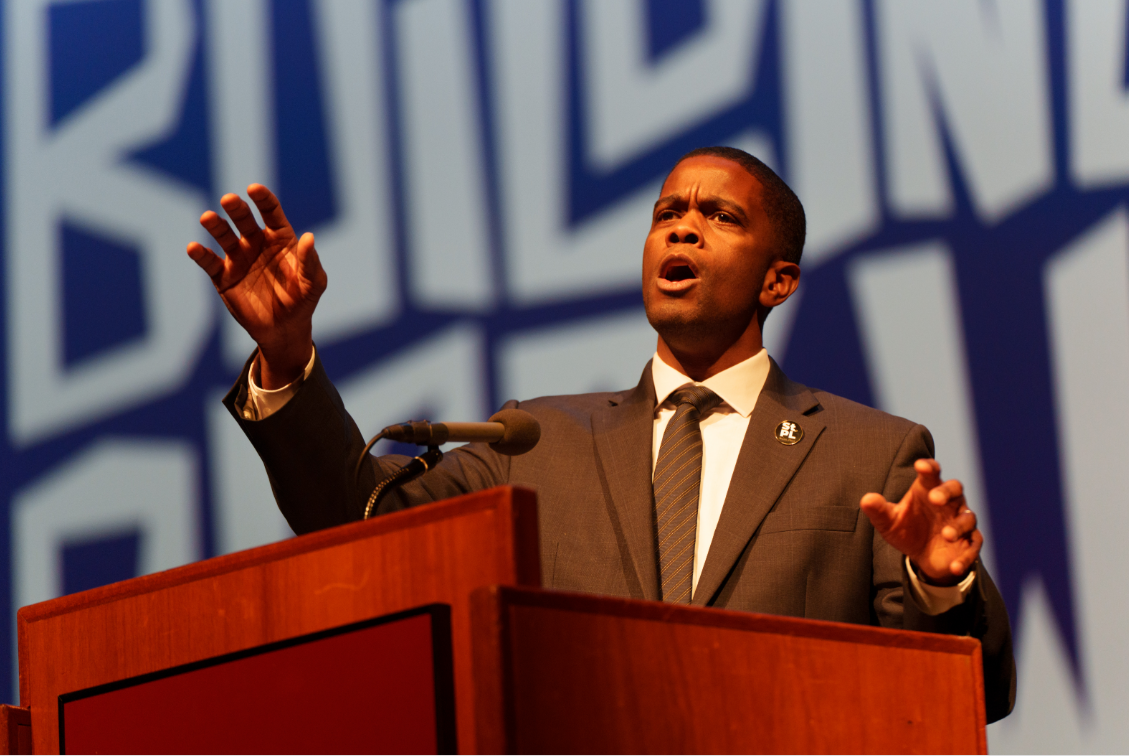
x=781 y=204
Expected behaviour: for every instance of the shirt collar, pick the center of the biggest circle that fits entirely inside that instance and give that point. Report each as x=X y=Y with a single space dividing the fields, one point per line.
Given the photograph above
x=738 y=386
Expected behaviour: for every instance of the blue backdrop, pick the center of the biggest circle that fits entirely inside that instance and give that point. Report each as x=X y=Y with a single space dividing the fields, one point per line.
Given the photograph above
x=479 y=174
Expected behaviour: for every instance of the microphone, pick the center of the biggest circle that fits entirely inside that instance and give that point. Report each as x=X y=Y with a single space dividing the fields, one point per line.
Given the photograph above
x=509 y=431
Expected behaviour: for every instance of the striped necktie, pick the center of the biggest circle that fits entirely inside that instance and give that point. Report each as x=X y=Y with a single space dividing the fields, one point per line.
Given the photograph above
x=677 y=482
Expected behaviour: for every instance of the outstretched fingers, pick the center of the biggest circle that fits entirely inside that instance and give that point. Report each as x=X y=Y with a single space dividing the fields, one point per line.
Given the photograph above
x=269 y=207
x=962 y=564
x=949 y=492
x=219 y=230
x=240 y=214
x=928 y=473
x=879 y=511
x=208 y=261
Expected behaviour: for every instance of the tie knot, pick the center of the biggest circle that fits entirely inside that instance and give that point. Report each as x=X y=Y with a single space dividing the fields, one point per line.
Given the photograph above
x=699 y=397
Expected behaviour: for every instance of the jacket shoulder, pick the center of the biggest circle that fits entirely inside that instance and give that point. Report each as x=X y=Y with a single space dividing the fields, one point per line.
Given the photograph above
x=578 y=406
x=839 y=407
x=854 y=420
x=831 y=408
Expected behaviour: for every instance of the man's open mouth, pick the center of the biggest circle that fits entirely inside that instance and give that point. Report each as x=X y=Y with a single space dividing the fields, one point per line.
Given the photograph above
x=679 y=273
x=677 y=270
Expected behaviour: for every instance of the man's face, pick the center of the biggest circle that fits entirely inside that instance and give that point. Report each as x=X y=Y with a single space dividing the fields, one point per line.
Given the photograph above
x=706 y=256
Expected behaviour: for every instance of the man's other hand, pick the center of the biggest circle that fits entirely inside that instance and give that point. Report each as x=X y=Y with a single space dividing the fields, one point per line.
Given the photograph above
x=270 y=281
x=931 y=525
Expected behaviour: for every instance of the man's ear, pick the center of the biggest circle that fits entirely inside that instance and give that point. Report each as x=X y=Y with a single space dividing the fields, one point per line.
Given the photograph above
x=780 y=281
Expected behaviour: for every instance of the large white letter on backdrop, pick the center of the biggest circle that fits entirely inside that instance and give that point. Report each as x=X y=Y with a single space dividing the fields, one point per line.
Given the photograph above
x=444 y=167
x=545 y=258
x=1099 y=103
x=979 y=68
x=76 y=171
x=635 y=105
x=827 y=111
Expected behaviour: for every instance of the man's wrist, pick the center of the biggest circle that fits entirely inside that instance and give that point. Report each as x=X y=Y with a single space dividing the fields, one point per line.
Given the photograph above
x=262 y=403
x=932 y=599
x=281 y=367
x=947 y=581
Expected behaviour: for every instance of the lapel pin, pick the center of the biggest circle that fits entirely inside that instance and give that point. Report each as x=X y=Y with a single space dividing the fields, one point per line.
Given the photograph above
x=788 y=433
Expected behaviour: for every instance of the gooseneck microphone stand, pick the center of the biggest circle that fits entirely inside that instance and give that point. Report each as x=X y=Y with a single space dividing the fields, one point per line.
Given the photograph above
x=508 y=431
x=417 y=467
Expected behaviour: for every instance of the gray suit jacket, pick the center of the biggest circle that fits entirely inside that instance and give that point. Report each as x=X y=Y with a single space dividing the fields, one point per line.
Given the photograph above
x=791 y=539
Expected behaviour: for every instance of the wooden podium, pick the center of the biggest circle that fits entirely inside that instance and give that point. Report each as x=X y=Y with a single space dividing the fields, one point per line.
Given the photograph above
x=426 y=630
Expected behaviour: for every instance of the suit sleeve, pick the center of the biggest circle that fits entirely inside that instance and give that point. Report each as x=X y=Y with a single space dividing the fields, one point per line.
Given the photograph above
x=983 y=614
x=310 y=448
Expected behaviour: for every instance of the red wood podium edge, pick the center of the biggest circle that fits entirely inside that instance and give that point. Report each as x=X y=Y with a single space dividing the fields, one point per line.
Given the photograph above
x=495 y=724
x=526 y=558
x=15 y=729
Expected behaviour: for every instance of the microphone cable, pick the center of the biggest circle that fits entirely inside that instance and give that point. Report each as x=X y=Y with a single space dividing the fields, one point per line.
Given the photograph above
x=417 y=467
x=413 y=469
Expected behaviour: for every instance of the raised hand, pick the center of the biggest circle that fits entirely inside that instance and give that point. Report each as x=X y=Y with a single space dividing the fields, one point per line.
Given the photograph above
x=270 y=281
x=931 y=525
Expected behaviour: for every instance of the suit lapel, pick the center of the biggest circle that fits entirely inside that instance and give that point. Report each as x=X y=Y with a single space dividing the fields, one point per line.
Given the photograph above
x=623 y=435
x=763 y=470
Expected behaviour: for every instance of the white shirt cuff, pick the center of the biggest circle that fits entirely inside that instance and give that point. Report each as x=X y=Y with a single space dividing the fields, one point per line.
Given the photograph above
x=937 y=599
x=261 y=402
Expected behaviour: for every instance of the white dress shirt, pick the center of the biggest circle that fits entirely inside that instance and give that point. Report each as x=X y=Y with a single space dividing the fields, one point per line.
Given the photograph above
x=723 y=431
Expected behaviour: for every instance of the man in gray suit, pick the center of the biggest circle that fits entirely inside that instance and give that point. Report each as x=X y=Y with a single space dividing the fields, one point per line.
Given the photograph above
x=715 y=481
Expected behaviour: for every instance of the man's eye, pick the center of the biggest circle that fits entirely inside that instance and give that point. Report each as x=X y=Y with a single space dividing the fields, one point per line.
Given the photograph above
x=665 y=215
x=724 y=217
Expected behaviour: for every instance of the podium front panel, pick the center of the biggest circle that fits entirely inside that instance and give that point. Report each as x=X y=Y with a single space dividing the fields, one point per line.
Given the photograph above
x=381 y=686
x=570 y=673
x=437 y=553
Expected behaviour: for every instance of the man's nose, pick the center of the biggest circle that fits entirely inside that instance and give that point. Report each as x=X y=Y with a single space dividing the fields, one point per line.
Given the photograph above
x=685 y=231
x=683 y=237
